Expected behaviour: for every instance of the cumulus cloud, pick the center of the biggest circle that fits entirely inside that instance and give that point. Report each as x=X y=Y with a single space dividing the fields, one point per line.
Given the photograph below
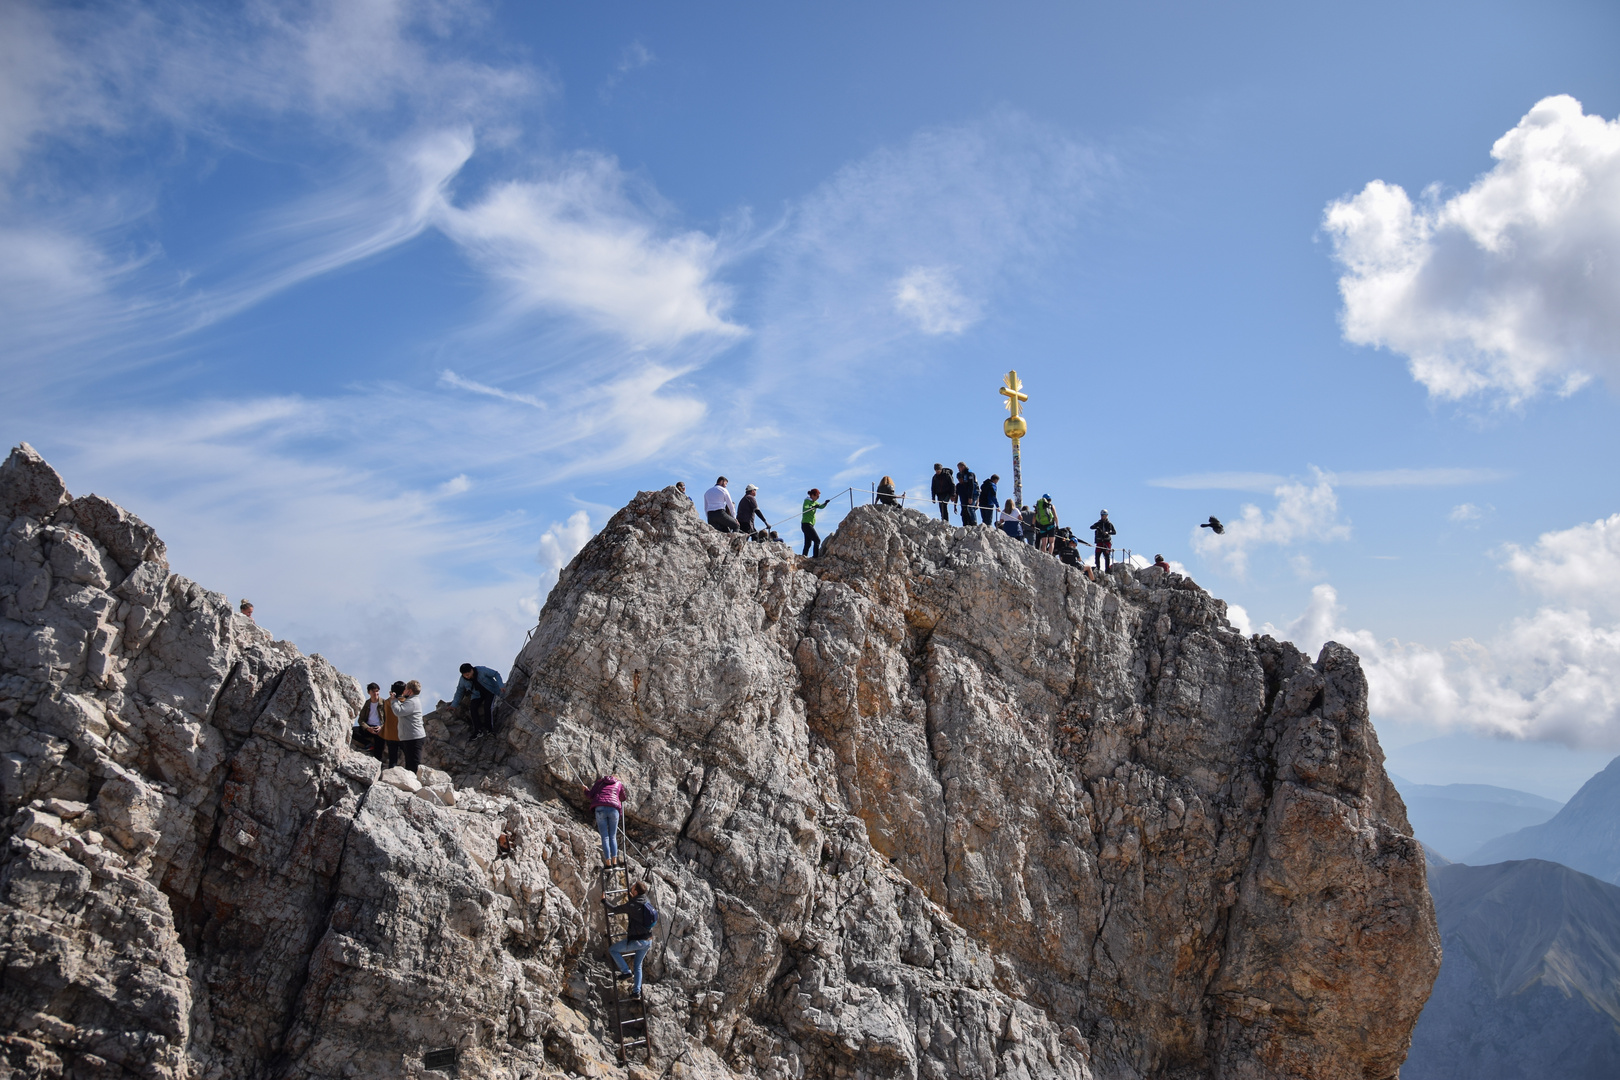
x=1509 y=288
x=1554 y=674
x=562 y=541
x=1305 y=513
x=927 y=295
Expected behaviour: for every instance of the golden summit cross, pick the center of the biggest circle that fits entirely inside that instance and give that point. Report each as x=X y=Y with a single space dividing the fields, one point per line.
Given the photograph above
x=1015 y=427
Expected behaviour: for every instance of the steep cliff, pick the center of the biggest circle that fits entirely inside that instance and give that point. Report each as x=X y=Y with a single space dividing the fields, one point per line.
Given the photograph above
x=930 y=806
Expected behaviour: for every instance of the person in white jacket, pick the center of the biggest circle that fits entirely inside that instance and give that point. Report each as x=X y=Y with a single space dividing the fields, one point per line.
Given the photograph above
x=412 y=732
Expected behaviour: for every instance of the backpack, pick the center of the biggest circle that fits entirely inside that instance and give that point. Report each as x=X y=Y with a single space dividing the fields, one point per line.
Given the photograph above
x=652 y=913
x=1043 y=513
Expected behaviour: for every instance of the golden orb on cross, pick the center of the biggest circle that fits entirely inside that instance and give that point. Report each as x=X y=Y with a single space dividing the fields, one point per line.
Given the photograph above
x=1012 y=389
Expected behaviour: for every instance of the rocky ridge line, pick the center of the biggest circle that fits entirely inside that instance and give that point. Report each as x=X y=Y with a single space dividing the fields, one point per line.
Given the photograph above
x=931 y=806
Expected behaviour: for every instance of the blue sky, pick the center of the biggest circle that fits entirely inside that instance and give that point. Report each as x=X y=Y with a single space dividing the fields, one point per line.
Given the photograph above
x=377 y=310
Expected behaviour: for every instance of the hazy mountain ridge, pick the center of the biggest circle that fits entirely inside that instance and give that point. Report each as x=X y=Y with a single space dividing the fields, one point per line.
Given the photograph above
x=1454 y=820
x=1584 y=835
x=1530 y=984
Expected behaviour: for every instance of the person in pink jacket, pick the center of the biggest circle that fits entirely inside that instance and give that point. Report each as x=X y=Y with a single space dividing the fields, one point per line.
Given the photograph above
x=607 y=800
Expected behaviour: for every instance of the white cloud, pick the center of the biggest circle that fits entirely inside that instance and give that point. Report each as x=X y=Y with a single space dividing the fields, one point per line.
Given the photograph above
x=450 y=378
x=1579 y=565
x=1508 y=288
x=1305 y=513
x=576 y=243
x=927 y=295
x=562 y=541
x=1554 y=674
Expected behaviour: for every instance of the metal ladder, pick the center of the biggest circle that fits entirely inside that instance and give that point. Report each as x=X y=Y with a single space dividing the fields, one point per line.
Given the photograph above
x=629 y=1012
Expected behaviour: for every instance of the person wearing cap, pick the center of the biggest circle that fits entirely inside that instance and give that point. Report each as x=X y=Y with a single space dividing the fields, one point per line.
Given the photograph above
x=721 y=510
x=748 y=510
x=1102 y=532
x=1160 y=564
x=807 y=522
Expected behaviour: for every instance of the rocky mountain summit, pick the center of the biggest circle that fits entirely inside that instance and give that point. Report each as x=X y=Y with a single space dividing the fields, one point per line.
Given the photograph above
x=933 y=805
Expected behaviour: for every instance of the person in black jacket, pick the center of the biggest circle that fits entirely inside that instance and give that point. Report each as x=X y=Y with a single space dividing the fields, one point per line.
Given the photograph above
x=639 y=937
x=987 y=499
x=967 y=493
x=1102 y=531
x=943 y=490
x=748 y=510
x=885 y=492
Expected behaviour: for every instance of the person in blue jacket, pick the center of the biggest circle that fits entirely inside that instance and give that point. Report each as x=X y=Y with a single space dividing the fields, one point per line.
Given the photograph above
x=482 y=686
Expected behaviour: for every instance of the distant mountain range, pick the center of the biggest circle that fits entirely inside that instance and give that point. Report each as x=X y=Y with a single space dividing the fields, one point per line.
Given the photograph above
x=1530 y=985
x=1453 y=820
x=1584 y=835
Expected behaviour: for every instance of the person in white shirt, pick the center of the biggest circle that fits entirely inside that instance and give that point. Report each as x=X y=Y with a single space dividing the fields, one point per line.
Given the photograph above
x=721 y=510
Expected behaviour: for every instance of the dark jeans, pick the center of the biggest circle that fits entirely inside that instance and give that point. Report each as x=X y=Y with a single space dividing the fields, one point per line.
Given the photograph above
x=1104 y=559
x=970 y=515
x=482 y=708
x=988 y=514
x=944 y=509
x=812 y=539
x=722 y=520
x=413 y=752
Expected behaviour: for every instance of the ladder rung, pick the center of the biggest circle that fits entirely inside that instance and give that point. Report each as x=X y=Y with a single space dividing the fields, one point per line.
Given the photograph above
x=634 y=1042
x=633 y=1020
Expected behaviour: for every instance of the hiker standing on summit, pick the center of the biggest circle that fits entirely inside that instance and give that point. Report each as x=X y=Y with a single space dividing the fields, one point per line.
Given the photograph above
x=967 y=493
x=482 y=685
x=1102 y=532
x=807 y=522
x=943 y=490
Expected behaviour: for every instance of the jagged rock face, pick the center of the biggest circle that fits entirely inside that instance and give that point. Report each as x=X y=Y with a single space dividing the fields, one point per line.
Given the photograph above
x=1174 y=845
x=931 y=806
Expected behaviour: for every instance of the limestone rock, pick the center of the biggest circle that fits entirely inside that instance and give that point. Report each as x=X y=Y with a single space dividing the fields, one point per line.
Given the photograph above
x=930 y=806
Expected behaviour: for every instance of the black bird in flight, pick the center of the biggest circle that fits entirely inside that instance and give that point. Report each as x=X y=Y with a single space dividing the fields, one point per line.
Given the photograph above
x=1214 y=523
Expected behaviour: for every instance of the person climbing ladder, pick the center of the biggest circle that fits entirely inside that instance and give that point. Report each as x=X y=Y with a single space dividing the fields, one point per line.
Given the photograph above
x=607 y=803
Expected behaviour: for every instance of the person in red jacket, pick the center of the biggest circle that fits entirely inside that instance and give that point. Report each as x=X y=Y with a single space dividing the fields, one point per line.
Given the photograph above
x=607 y=801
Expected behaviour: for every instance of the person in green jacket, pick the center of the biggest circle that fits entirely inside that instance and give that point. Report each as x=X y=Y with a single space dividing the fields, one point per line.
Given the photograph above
x=807 y=522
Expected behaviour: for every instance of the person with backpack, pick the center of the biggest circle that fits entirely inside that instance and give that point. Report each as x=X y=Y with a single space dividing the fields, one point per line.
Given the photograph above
x=607 y=804
x=967 y=494
x=987 y=499
x=807 y=522
x=943 y=489
x=1046 y=523
x=643 y=917
x=480 y=686
x=1102 y=532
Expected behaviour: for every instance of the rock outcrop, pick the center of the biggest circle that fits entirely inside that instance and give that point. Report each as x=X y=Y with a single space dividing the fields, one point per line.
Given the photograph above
x=931 y=806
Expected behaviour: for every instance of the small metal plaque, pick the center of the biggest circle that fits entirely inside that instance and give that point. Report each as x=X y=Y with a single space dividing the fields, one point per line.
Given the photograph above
x=440 y=1059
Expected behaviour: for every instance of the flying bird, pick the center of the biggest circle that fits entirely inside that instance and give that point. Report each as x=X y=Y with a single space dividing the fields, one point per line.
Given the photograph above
x=1214 y=523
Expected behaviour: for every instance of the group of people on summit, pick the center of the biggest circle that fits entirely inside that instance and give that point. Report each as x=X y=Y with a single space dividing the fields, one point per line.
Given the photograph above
x=728 y=516
x=977 y=502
